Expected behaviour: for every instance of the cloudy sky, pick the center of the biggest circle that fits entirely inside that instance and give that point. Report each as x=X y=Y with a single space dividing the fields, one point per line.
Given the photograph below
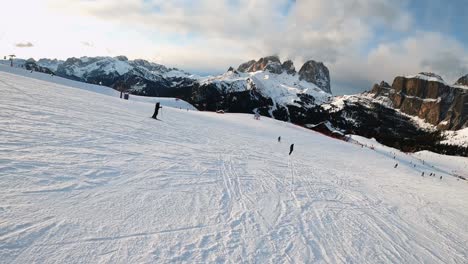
x=361 y=41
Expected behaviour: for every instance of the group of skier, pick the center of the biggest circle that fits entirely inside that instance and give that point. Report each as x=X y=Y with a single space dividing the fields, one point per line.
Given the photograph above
x=291 y=148
x=431 y=174
x=422 y=174
x=158 y=106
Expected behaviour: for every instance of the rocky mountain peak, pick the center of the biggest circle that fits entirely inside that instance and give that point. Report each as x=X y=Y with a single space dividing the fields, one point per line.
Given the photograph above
x=385 y=84
x=45 y=60
x=317 y=73
x=72 y=60
x=288 y=67
x=381 y=89
x=312 y=71
x=246 y=65
x=463 y=81
x=269 y=63
x=121 y=58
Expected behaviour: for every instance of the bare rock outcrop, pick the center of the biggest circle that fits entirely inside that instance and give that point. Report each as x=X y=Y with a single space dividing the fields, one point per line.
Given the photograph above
x=428 y=96
x=317 y=73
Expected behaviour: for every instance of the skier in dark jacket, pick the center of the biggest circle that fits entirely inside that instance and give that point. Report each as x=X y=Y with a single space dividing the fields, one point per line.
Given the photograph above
x=291 y=148
x=279 y=139
x=156 y=110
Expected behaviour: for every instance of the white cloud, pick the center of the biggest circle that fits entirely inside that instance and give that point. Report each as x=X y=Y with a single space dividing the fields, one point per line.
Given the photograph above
x=423 y=51
x=24 y=45
x=211 y=35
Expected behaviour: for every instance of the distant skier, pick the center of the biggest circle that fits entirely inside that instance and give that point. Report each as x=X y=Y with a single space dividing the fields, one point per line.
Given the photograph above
x=257 y=116
x=422 y=174
x=291 y=148
x=441 y=177
x=279 y=139
x=156 y=110
x=396 y=165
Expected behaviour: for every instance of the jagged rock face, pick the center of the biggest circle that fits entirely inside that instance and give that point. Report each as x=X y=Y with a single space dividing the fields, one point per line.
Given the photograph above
x=463 y=81
x=274 y=67
x=382 y=89
x=245 y=66
x=270 y=63
x=427 y=96
x=288 y=67
x=122 y=58
x=317 y=73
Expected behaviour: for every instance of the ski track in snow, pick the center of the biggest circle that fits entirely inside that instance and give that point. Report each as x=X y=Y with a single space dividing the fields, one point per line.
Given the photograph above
x=90 y=178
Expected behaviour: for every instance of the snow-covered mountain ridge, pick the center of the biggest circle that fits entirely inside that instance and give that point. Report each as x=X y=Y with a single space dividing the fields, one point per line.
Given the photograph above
x=85 y=67
x=277 y=83
x=283 y=88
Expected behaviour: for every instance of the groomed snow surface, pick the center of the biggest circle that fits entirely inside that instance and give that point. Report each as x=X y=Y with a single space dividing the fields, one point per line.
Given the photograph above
x=87 y=177
x=172 y=102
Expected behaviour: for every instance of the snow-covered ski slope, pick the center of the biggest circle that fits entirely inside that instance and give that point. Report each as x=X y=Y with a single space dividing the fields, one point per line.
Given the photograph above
x=90 y=178
x=171 y=102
